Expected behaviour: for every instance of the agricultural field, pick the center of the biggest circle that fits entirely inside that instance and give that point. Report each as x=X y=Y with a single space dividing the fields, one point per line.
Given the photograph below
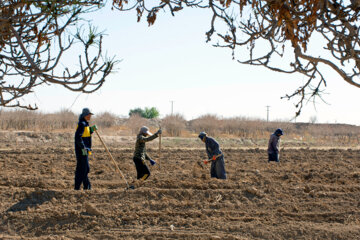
x=312 y=193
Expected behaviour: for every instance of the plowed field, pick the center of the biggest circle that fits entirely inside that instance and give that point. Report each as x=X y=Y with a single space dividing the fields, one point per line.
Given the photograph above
x=311 y=194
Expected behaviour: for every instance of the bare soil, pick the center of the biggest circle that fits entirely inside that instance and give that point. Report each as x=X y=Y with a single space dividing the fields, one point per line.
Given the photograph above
x=311 y=194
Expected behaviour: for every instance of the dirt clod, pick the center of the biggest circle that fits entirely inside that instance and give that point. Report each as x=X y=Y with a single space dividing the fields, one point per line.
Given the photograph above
x=91 y=209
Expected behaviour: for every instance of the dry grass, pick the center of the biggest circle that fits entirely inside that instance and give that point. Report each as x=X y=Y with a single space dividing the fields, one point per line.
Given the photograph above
x=177 y=126
x=37 y=121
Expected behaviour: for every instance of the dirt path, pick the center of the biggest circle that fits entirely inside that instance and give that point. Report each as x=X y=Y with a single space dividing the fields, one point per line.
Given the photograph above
x=311 y=194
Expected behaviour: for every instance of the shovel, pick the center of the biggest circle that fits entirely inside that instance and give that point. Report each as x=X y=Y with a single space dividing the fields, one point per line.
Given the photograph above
x=111 y=157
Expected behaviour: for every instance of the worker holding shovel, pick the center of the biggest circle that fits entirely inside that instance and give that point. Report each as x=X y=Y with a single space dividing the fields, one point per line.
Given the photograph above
x=215 y=156
x=140 y=155
x=83 y=149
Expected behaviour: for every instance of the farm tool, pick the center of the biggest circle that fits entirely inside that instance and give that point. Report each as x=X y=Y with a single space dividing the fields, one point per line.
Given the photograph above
x=160 y=150
x=213 y=158
x=111 y=157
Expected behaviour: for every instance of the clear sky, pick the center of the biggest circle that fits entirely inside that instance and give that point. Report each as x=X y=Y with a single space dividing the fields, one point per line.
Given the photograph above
x=171 y=61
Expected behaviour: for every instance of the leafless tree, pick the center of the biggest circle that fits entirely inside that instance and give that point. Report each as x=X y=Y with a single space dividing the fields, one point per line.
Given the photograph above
x=35 y=36
x=277 y=34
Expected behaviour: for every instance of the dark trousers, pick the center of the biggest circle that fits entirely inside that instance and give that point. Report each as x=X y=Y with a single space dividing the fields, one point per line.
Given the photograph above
x=273 y=157
x=217 y=169
x=142 y=170
x=81 y=172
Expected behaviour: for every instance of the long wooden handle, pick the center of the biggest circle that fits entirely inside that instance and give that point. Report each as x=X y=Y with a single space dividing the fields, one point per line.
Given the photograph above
x=111 y=157
x=159 y=151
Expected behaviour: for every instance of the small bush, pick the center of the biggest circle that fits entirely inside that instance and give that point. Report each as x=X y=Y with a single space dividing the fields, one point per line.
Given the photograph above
x=135 y=122
x=105 y=120
x=174 y=124
x=207 y=123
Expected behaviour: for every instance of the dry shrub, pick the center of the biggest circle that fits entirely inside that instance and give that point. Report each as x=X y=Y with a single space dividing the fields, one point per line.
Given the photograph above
x=18 y=120
x=206 y=123
x=337 y=133
x=243 y=127
x=33 y=121
x=64 y=119
x=174 y=124
x=135 y=122
x=236 y=126
x=106 y=120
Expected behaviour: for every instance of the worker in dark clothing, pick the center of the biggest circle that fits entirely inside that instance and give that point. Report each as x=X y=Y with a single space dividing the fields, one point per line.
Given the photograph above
x=83 y=149
x=215 y=155
x=140 y=155
x=273 y=146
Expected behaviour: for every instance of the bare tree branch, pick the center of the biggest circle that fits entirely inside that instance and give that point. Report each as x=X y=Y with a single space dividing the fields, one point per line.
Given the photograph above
x=277 y=34
x=34 y=36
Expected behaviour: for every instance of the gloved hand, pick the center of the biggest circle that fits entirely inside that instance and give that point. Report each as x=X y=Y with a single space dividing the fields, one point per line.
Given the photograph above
x=89 y=151
x=214 y=157
x=159 y=132
x=93 y=128
x=84 y=151
x=152 y=162
x=206 y=161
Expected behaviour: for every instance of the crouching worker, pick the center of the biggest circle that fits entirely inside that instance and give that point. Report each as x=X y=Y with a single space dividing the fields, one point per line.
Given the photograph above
x=83 y=149
x=273 y=146
x=140 y=155
x=215 y=156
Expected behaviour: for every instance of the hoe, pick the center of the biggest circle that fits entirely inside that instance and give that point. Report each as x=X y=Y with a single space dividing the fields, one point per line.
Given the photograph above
x=111 y=157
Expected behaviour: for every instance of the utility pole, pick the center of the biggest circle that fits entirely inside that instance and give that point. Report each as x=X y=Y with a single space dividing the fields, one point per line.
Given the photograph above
x=172 y=107
x=267 y=113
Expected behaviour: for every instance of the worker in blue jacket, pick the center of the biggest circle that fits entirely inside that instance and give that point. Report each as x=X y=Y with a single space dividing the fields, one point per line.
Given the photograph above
x=83 y=149
x=215 y=156
x=273 y=145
